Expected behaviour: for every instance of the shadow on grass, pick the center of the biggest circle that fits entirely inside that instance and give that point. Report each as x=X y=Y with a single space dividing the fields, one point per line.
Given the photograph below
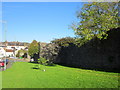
x=36 y=65
x=33 y=62
x=35 y=68
x=44 y=65
x=51 y=65
x=95 y=69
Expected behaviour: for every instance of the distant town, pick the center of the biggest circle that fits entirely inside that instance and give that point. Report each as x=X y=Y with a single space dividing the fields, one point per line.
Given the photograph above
x=10 y=49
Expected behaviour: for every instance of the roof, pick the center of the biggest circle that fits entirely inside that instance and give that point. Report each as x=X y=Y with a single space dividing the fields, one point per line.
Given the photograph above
x=9 y=50
x=14 y=43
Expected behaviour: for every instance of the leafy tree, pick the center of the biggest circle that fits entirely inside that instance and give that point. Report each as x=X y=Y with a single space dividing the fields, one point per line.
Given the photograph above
x=33 y=48
x=66 y=41
x=42 y=61
x=95 y=19
x=21 y=53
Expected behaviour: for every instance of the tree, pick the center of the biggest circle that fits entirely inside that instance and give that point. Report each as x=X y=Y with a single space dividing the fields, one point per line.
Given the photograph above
x=95 y=19
x=33 y=48
x=42 y=61
x=66 y=41
x=21 y=53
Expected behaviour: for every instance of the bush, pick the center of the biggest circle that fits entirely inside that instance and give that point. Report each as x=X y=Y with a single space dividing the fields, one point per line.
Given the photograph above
x=42 y=61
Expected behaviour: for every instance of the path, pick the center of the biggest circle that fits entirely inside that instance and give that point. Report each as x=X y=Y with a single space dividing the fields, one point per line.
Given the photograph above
x=10 y=63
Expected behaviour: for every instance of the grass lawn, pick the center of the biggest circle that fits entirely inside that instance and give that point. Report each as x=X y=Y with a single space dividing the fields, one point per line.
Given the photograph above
x=22 y=75
x=0 y=80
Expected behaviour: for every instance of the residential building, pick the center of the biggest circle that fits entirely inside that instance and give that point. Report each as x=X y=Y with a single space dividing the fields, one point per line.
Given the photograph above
x=2 y=52
x=10 y=49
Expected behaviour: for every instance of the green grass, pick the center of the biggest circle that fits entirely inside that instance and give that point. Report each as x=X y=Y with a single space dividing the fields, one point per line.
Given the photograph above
x=0 y=80
x=21 y=75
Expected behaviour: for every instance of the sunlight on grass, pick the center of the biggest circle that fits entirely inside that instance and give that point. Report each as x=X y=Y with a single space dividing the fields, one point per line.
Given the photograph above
x=0 y=80
x=27 y=75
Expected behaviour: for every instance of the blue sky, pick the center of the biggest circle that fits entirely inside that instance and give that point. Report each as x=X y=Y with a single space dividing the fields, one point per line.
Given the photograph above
x=42 y=21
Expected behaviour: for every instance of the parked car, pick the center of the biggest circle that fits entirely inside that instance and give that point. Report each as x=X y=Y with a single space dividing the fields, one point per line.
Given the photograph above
x=1 y=64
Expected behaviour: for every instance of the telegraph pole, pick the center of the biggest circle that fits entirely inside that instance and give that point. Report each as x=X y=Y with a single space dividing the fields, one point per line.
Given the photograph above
x=5 y=31
x=15 y=48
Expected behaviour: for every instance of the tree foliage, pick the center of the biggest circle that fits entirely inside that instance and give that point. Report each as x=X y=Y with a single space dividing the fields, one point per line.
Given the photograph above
x=42 y=61
x=33 y=48
x=64 y=41
x=49 y=52
x=95 y=19
x=21 y=53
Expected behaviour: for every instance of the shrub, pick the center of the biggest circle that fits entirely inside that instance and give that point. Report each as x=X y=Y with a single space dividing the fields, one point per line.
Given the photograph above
x=42 y=61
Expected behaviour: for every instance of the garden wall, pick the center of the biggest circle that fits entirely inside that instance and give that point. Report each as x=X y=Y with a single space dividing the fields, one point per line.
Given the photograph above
x=96 y=54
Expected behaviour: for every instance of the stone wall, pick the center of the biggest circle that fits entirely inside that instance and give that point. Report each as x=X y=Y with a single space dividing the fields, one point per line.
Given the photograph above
x=49 y=51
x=95 y=54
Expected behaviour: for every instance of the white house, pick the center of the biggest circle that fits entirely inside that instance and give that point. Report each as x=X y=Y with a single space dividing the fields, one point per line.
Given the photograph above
x=2 y=52
x=6 y=52
x=9 y=53
x=16 y=48
x=10 y=49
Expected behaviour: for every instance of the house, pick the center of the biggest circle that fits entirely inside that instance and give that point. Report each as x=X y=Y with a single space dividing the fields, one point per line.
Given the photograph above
x=10 y=49
x=2 y=52
x=9 y=53
x=6 y=52
x=16 y=48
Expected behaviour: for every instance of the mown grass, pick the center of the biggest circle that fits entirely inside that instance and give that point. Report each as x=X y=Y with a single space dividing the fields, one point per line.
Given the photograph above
x=0 y=80
x=22 y=75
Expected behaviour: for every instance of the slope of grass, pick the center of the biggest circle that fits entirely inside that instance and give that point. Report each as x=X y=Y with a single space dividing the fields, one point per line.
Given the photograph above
x=22 y=75
x=0 y=80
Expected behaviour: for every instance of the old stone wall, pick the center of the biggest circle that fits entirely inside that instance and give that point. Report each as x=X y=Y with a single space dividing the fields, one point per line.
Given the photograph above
x=49 y=51
x=95 y=54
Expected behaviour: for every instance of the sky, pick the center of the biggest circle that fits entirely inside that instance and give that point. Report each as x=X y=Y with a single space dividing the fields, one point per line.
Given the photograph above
x=41 y=21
